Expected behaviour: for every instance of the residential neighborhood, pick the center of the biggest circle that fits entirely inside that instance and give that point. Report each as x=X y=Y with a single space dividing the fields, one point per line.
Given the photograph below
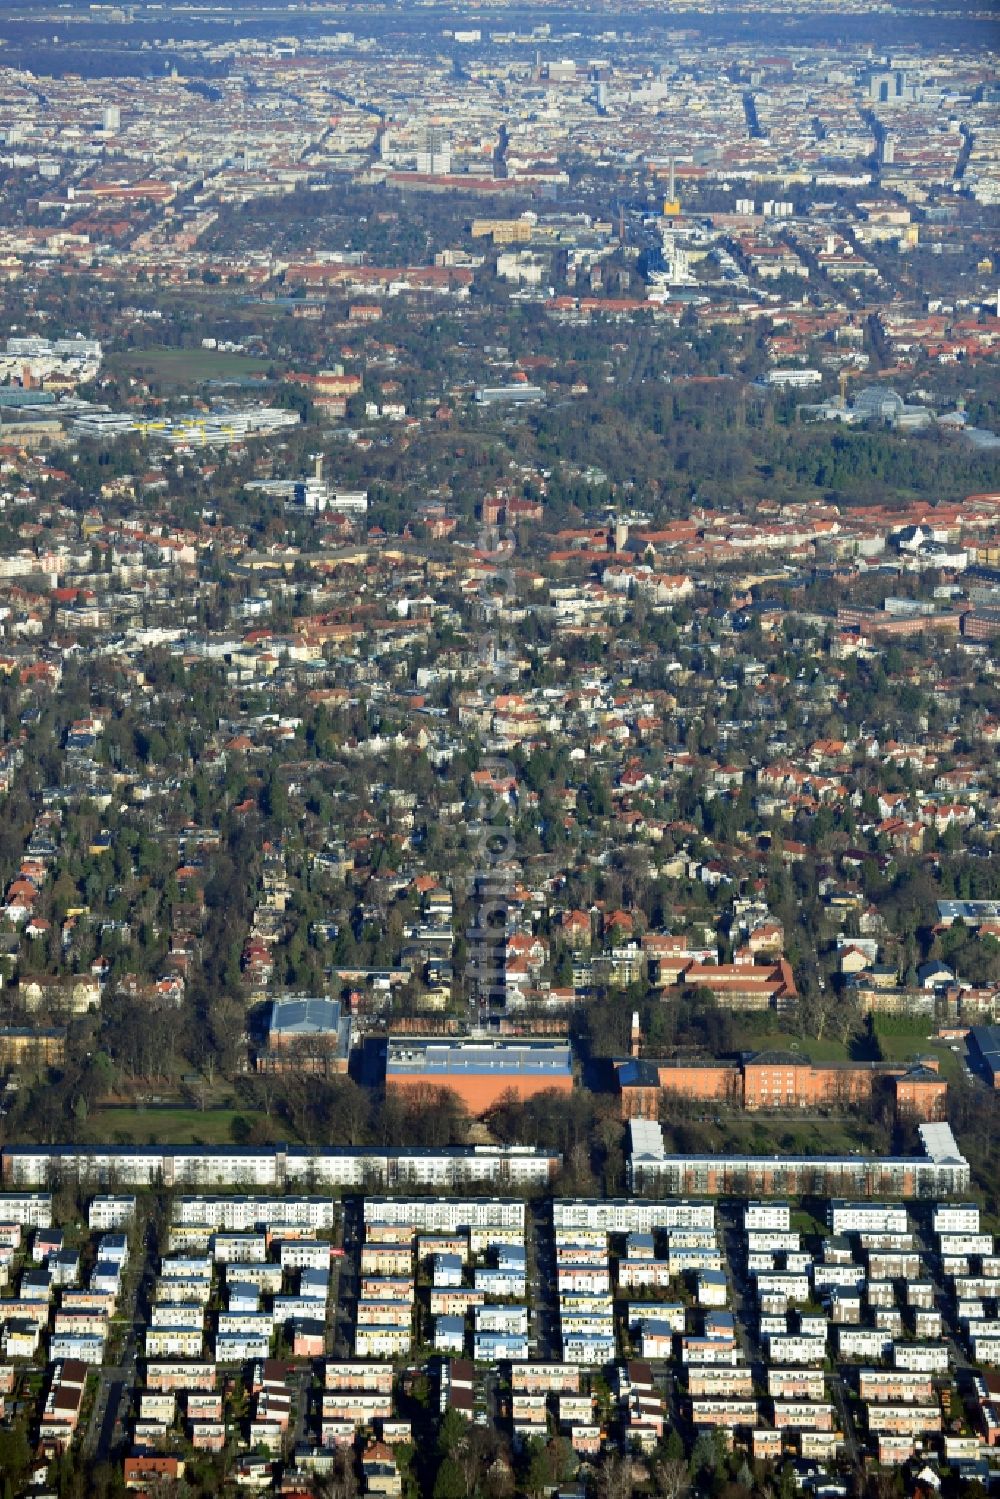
x=499 y=750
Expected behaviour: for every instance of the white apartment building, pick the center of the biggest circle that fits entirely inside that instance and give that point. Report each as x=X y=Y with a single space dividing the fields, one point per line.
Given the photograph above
x=505 y=1319
x=698 y=1350
x=778 y=1285
x=286 y=1309
x=239 y=1347
x=867 y=1217
x=274 y=1168
x=447 y=1213
x=826 y=1277
x=239 y=1214
x=934 y=1358
x=108 y=1212
x=863 y=1343
x=493 y=1281
x=625 y=1215
x=588 y=1348
x=178 y=1314
x=771 y=1239
x=965 y=1244
x=792 y=1348
x=956 y=1218
x=87 y=1347
x=773 y=1216
x=29 y=1209
x=299 y=1254
x=487 y=1347
x=239 y=1249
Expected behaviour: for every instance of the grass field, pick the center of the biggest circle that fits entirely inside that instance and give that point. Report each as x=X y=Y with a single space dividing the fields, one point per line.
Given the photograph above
x=792 y=1136
x=906 y=1048
x=804 y=1222
x=767 y=1034
x=167 y=1126
x=737 y=1134
x=186 y=366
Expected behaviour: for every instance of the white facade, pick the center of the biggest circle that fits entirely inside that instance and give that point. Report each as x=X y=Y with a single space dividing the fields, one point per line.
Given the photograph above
x=931 y=1357
x=30 y=1209
x=767 y=1215
x=790 y=1348
x=87 y=1347
x=867 y=1217
x=506 y=1319
x=447 y=1213
x=110 y=1212
x=242 y=1213
x=238 y=1347
x=622 y=1216
x=489 y=1346
x=271 y=1168
x=956 y=1218
x=588 y=1348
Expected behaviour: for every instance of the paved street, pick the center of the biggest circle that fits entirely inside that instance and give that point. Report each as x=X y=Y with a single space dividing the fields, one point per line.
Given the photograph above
x=106 y=1431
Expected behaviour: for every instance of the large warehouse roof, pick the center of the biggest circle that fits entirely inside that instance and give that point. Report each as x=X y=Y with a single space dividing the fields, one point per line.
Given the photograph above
x=464 y=1058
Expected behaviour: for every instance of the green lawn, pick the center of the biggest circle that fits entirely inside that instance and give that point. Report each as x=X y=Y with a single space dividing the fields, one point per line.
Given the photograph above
x=908 y=1048
x=168 y=1126
x=767 y=1034
x=793 y=1136
x=737 y=1134
x=186 y=366
x=804 y=1222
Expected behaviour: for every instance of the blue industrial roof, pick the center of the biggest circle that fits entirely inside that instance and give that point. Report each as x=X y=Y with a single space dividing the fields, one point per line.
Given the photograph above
x=479 y=1058
x=15 y=396
x=972 y=912
x=987 y=1040
x=305 y=1016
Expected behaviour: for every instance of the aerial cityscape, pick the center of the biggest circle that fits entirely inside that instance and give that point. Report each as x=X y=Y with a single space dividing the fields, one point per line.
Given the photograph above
x=499 y=749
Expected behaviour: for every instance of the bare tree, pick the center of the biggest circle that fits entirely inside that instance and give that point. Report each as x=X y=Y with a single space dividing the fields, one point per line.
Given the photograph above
x=671 y=1478
x=341 y=1482
x=227 y=1024
x=615 y=1479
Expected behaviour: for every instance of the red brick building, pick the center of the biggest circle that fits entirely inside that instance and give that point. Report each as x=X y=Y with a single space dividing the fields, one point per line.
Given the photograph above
x=481 y=1073
x=781 y=1080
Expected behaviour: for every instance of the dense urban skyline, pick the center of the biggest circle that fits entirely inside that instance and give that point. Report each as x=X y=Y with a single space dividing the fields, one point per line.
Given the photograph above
x=499 y=724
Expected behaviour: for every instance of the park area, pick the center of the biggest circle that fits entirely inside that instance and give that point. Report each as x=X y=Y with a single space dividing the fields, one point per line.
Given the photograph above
x=186 y=367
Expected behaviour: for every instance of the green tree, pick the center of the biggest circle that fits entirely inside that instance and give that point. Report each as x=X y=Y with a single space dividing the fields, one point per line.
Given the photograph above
x=453 y=1430
x=15 y=1454
x=450 y=1481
